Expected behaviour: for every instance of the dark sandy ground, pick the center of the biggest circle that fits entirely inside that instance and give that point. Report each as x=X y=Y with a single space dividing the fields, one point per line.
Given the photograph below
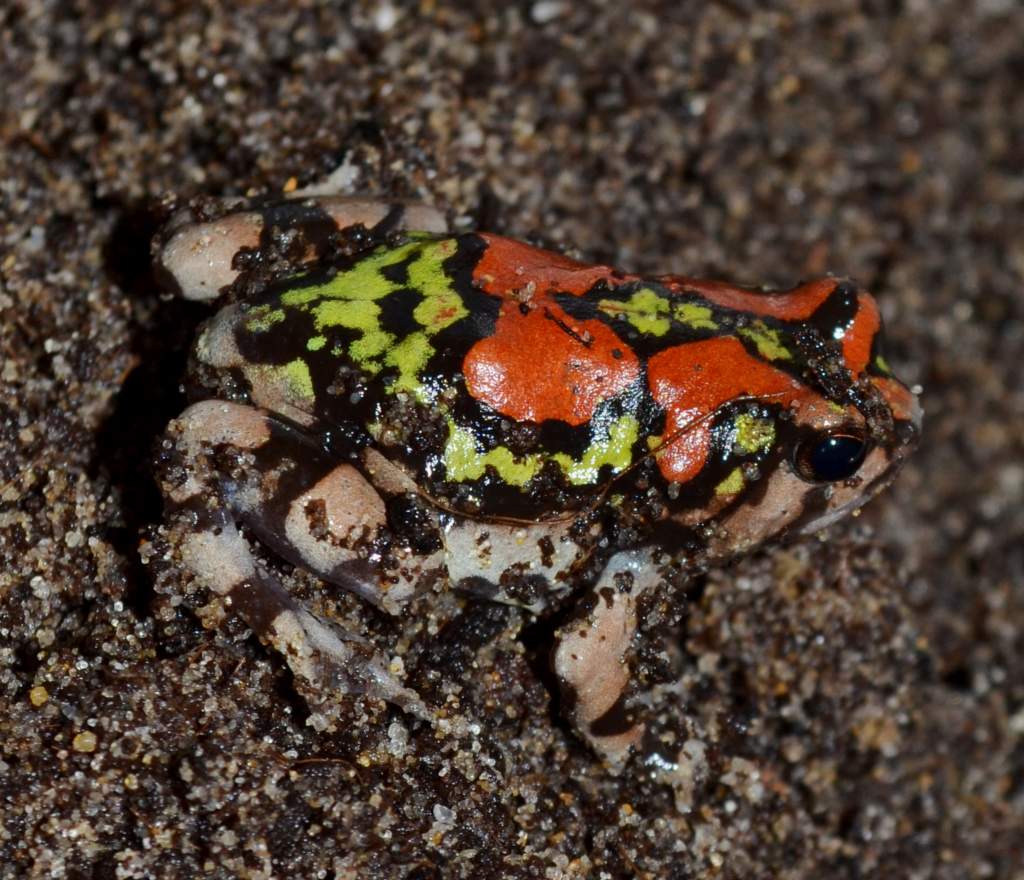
x=851 y=706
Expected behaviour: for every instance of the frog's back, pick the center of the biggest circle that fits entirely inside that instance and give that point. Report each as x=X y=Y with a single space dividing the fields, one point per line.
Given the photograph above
x=512 y=381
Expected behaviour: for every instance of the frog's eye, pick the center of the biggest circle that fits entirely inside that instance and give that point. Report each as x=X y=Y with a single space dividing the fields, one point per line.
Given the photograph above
x=830 y=458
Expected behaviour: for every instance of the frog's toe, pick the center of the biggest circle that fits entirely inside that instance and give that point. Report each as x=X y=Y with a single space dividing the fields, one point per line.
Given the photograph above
x=331 y=660
x=334 y=661
x=196 y=261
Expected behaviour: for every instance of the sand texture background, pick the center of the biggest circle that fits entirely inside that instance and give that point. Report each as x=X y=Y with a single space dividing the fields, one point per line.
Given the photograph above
x=853 y=706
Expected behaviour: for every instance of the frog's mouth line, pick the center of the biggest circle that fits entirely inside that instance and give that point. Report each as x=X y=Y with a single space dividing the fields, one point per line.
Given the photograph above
x=833 y=516
x=813 y=499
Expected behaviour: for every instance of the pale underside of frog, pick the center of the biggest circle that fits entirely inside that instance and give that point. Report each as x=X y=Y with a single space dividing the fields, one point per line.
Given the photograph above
x=391 y=406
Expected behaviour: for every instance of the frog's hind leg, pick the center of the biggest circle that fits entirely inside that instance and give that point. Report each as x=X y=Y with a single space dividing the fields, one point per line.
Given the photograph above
x=330 y=659
x=217 y=474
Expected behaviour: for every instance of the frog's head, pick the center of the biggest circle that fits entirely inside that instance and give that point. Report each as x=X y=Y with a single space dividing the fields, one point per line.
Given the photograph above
x=848 y=455
x=850 y=451
x=840 y=453
x=807 y=424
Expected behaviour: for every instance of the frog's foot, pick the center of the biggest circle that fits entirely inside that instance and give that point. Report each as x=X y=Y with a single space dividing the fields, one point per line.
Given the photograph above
x=591 y=653
x=198 y=259
x=330 y=659
x=313 y=511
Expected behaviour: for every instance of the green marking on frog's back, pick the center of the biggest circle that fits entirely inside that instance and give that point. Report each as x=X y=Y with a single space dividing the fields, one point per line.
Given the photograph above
x=614 y=450
x=731 y=484
x=464 y=461
x=652 y=312
x=693 y=315
x=293 y=379
x=768 y=341
x=350 y=301
x=262 y=318
x=753 y=434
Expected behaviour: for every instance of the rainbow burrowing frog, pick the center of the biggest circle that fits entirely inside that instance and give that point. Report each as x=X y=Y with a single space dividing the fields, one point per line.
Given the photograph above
x=387 y=405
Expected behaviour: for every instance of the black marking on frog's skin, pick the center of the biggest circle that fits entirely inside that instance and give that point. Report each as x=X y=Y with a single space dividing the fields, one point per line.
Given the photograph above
x=453 y=342
x=257 y=604
x=547 y=551
x=835 y=315
x=343 y=440
x=396 y=311
x=614 y=722
x=566 y=329
x=520 y=588
x=587 y=307
x=354 y=575
x=479 y=586
x=688 y=542
x=398 y=273
x=414 y=523
x=823 y=368
x=311 y=225
x=202 y=382
x=865 y=396
x=811 y=344
x=391 y=223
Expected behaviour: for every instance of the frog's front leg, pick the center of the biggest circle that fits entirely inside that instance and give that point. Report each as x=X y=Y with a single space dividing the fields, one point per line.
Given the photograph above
x=225 y=463
x=591 y=653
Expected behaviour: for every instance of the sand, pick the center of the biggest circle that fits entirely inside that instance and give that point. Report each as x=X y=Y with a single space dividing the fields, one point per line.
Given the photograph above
x=842 y=707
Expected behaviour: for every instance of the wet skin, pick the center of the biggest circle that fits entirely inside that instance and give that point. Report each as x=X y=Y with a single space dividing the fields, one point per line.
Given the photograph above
x=391 y=406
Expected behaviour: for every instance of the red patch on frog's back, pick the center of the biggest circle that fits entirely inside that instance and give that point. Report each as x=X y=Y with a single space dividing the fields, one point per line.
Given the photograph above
x=860 y=335
x=692 y=380
x=797 y=304
x=541 y=363
x=511 y=267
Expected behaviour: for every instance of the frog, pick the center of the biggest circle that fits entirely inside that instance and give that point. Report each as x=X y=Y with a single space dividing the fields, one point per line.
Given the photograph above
x=398 y=408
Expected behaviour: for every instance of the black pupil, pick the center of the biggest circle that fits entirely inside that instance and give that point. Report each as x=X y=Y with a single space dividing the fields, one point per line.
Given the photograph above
x=837 y=457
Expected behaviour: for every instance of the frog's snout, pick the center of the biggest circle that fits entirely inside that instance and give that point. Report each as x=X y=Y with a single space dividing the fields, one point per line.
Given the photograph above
x=825 y=504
